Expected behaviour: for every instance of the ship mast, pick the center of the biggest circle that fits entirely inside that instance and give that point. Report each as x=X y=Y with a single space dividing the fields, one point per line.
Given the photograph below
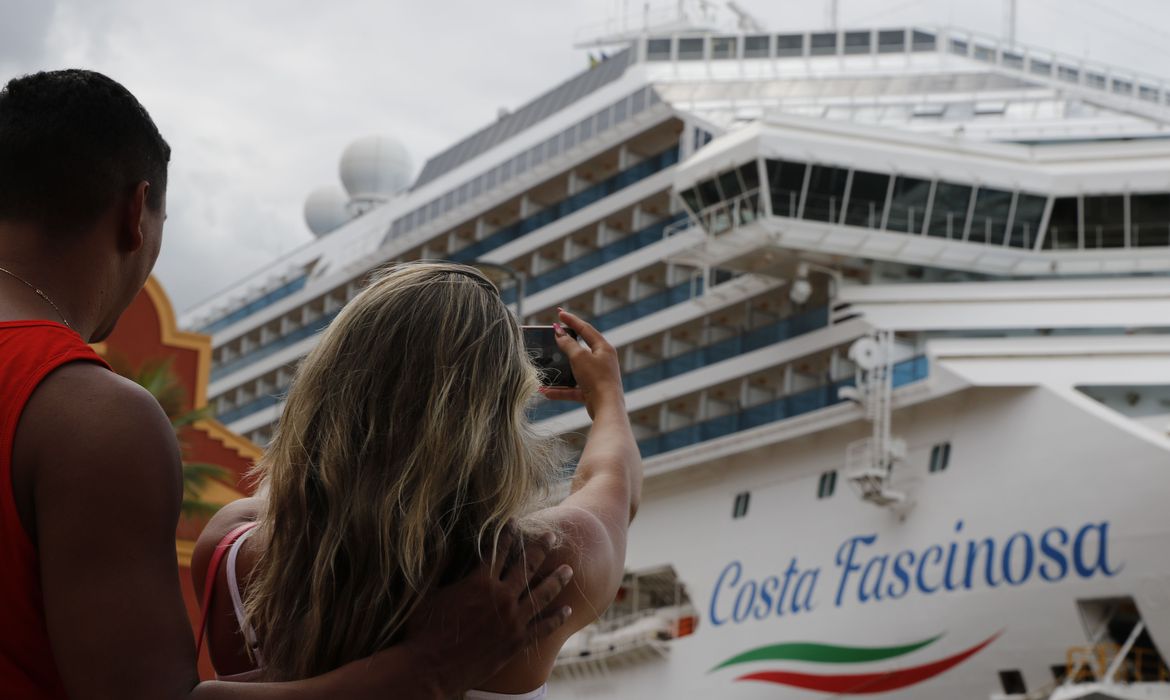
x=1011 y=16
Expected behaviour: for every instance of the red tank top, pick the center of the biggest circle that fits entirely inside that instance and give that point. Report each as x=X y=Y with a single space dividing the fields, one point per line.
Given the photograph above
x=29 y=351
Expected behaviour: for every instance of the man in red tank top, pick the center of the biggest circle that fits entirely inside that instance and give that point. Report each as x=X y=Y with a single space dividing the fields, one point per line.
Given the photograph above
x=90 y=482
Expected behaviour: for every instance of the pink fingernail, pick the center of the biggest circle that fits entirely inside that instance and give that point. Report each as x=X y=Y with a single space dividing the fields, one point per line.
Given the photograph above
x=558 y=329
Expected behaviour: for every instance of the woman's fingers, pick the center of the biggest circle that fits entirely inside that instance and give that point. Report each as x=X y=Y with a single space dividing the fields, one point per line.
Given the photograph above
x=544 y=593
x=558 y=393
x=588 y=333
x=535 y=552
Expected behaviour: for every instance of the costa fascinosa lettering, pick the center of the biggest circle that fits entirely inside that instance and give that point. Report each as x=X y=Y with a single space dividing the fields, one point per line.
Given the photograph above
x=865 y=573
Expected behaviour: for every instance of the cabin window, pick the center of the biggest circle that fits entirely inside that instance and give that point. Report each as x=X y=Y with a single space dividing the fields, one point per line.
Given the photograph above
x=741 y=504
x=940 y=457
x=827 y=484
x=1013 y=682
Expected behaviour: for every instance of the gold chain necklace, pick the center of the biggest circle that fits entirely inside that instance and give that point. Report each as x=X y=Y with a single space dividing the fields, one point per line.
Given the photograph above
x=41 y=294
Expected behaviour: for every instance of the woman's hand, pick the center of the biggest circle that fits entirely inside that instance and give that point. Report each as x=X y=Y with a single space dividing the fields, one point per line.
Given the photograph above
x=599 y=378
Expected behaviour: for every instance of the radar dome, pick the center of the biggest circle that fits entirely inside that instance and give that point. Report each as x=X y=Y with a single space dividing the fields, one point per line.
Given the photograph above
x=375 y=167
x=325 y=209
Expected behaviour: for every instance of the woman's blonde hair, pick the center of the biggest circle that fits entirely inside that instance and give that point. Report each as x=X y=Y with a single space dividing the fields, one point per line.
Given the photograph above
x=403 y=450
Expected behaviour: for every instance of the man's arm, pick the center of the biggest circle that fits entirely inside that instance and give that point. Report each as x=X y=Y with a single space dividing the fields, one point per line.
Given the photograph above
x=106 y=487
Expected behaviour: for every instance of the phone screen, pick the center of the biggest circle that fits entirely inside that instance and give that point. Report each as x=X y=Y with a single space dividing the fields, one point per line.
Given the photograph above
x=552 y=364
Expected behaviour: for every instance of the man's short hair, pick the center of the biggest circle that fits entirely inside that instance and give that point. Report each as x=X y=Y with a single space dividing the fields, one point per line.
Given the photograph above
x=72 y=142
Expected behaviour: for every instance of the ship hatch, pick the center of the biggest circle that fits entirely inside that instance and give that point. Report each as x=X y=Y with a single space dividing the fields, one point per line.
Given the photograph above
x=1120 y=649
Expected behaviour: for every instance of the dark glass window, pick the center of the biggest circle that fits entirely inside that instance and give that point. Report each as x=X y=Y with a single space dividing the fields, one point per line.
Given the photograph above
x=749 y=175
x=960 y=47
x=1095 y=80
x=1062 y=225
x=658 y=50
x=1149 y=219
x=940 y=457
x=690 y=49
x=1026 y=222
x=1068 y=74
x=709 y=193
x=908 y=204
x=984 y=53
x=1013 y=60
x=858 y=42
x=922 y=41
x=742 y=500
x=691 y=197
x=1105 y=221
x=729 y=185
x=786 y=180
x=1040 y=67
x=989 y=222
x=1122 y=87
x=826 y=193
x=755 y=46
x=824 y=44
x=1013 y=682
x=891 y=41
x=789 y=45
x=867 y=199
x=723 y=47
x=948 y=215
x=827 y=484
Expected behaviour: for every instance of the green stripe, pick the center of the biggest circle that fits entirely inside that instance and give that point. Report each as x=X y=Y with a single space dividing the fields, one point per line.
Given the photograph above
x=823 y=653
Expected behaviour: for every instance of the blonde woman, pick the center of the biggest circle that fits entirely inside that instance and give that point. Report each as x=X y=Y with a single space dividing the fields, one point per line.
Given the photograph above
x=403 y=452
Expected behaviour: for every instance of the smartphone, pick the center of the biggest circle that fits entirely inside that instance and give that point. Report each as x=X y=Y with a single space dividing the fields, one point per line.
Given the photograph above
x=552 y=364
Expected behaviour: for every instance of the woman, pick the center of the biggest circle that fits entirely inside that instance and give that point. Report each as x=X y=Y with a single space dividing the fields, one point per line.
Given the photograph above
x=403 y=452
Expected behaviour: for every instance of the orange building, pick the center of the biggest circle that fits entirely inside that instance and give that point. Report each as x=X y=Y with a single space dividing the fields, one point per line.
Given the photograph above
x=147 y=334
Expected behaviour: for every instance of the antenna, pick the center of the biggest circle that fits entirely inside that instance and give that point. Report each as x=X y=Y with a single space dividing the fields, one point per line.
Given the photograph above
x=834 y=14
x=1011 y=20
x=744 y=19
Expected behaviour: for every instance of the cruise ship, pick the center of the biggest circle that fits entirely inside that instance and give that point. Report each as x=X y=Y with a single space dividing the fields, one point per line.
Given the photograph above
x=893 y=308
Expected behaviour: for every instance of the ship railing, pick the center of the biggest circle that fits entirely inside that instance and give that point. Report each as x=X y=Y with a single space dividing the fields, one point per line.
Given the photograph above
x=729 y=214
x=1089 y=664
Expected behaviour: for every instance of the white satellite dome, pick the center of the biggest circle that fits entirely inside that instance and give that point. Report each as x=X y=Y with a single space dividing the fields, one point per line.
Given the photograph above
x=325 y=209
x=375 y=167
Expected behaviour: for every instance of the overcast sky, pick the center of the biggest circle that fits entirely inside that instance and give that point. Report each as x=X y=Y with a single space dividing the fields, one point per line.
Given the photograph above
x=259 y=98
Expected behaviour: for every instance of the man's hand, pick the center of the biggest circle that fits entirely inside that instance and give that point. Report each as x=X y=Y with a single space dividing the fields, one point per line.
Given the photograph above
x=464 y=633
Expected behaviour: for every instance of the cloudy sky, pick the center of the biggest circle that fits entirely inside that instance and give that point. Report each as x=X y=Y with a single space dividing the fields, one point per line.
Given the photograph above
x=259 y=98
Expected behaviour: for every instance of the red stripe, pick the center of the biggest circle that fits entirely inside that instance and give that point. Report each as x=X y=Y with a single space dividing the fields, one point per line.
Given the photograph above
x=864 y=683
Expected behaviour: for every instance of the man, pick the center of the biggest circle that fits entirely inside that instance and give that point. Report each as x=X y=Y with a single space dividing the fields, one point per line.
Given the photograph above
x=90 y=479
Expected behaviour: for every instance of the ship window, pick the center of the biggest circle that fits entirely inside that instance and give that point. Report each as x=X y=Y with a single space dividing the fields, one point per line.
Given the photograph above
x=922 y=41
x=940 y=457
x=858 y=42
x=826 y=193
x=786 y=180
x=891 y=41
x=1068 y=74
x=1122 y=87
x=867 y=199
x=729 y=185
x=1095 y=80
x=908 y=204
x=1062 y=225
x=789 y=45
x=1149 y=219
x=1040 y=67
x=1013 y=60
x=1026 y=222
x=827 y=484
x=1012 y=682
x=1105 y=221
x=824 y=44
x=749 y=175
x=740 y=508
x=658 y=50
x=989 y=222
x=709 y=193
x=959 y=47
x=756 y=46
x=1147 y=92
x=948 y=215
x=723 y=47
x=690 y=49
x=984 y=53
x=691 y=197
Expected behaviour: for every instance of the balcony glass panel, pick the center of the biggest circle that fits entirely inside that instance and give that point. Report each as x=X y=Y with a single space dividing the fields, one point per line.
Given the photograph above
x=908 y=204
x=1104 y=221
x=649 y=305
x=723 y=47
x=690 y=49
x=867 y=199
x=249 y=408
x=789 y=45
x=948 y=214
x=1026 y=222
x=989 y=221
x=276 y=345
x=826 y=193
x=756 y=46
x=891 y=41
x=568 y=205
x=923 y=41
x=1063 y=229
x=658 y=50
x=824 y=44
x=904 y=373
x=858 y=42
x=1149 y=216
x=255 y=305
x=786 y=180
x=613 y=251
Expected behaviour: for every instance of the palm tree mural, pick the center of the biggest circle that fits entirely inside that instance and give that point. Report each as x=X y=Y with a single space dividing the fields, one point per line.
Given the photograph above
x=159 y=378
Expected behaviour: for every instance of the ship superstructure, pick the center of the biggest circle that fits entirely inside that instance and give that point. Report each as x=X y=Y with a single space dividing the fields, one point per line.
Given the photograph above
x=892 y=307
